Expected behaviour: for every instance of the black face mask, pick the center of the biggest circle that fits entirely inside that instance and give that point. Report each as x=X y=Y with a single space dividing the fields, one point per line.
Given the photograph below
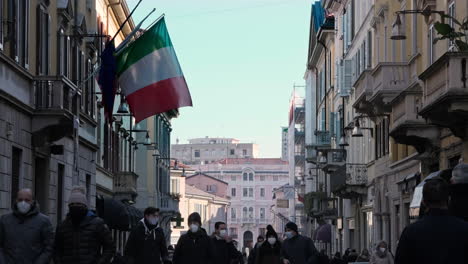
x=77 y=213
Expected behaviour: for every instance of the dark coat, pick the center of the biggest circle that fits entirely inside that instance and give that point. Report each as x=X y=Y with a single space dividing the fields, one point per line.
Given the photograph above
x=223 y=252
x=436 y=238
x=267 y=254
x=300 y=250
x=83 y=244
x=193 y=248
x=145 y=246
x=26 y=239
x=337 y=261
x=253 y=254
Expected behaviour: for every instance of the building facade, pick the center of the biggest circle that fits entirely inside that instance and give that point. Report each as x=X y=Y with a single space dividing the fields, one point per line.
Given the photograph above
x=251 y=183
x=208 y=150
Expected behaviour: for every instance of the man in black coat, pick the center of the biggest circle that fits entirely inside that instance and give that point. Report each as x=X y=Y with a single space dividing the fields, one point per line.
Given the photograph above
x=147 y=243
x=298 y=249
x=83 y=238
x=26 y=235
x=223 y=248
x=195 y=246
x=253 y=253
x=437 y=237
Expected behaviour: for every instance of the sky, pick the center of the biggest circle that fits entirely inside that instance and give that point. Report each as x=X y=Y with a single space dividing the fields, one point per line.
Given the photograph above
x=240 y=59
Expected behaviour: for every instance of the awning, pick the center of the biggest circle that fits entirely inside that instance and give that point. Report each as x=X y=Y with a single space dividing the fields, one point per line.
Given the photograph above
x=118 y=215
x=412 y=176
x=415 y=205
x=323 y=234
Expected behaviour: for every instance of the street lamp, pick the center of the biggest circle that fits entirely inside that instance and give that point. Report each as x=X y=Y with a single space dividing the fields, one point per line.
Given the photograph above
x=322 y=158
x=357 y=131
x=398 y=29
x=147 y=140
x=343 y=141
x=123 y=107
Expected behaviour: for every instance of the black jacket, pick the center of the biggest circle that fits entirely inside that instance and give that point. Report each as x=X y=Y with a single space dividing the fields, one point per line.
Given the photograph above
x=253 y=254
x=300 y=250
x=193 y=248
x=223 y=252
x=26 y=239
x=83 y=244
x=145 y=246
x=436 y=238
x=267 y=254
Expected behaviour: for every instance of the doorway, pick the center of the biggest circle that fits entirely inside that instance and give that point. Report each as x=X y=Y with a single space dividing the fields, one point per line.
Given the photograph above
x=41 y=184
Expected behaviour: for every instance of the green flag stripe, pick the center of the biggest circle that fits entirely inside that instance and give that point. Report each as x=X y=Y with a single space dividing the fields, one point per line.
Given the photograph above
x=155 y=38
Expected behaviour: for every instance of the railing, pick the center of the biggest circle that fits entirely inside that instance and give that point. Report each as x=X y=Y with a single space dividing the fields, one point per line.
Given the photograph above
x=390 y=77
x=356 y=174
x=256 y=221
x=323 y=138
x=363 y=85
x=125 y=182
x=54 y=93
x=310 y=153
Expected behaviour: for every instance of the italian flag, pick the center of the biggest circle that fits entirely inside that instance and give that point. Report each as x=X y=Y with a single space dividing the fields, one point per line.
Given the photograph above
x=150 y=75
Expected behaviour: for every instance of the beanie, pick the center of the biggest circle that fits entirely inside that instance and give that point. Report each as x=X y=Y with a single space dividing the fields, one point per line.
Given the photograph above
x=271 y=232
x=292 y=226
x=194 y=217
x=78 y=195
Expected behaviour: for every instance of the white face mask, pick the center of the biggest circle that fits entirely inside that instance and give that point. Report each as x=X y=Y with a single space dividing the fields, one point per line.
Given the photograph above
x=222 y=232
x=153 y=220
x=382 y=249
x=194 y=228
x=289 y=234
x=23 y=207
x=272 y=240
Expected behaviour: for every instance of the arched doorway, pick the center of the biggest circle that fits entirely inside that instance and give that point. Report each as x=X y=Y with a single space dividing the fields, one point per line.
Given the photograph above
x=248 y=240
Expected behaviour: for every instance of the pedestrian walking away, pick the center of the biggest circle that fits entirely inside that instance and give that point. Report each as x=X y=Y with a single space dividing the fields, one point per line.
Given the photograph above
x=223 y=248
x=364 y=257
x=26 y=235
x=337 y=259
x=195 y=246
x=270 y=251
x=82 y=238
x=260 y=241
x=147 y=243
x=382 y=255
x=298 y=249
x=438 y=237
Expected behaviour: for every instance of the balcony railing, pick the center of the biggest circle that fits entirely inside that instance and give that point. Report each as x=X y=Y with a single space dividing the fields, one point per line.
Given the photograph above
x=54 y=93
x=390 y=78
x=248 y=220
x=356 y=174
x=310 y=153
x=323 y=138
x=125 y=182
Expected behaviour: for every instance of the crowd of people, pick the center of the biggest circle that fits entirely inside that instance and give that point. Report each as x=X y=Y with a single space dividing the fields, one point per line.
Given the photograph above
x=27 y=237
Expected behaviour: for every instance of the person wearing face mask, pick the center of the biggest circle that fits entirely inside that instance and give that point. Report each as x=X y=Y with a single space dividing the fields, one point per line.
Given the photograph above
x=223 y=249
x=82 y=238
x=147 y=243
x=381 y=254
x=194 y=247
x=26 y=235
x=253 y=253
x=270 y=251
x=298 y=249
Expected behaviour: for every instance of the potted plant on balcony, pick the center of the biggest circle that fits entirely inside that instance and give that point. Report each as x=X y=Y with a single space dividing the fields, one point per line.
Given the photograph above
x=458 y=38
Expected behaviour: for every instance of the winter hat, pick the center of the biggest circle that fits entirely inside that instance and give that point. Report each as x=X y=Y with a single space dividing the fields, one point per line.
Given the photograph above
x=194 y=217
x=292 y=226
x=460 y=174
x=78 y=195
x=271 y=232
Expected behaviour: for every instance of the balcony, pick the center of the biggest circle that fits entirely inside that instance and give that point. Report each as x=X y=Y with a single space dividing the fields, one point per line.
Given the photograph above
x=55 y=103
x=445 y=93
x=407 y=127
x=310 y=154
x=335 y=159
x=168 y=204
x=331 y=5
x=299 y=114
x=125 y=185
x=363 y=92
x=322 y=139
x=389 y=80
x=350 y=181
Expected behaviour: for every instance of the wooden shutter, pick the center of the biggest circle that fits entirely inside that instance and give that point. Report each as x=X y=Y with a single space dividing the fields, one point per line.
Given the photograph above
x=348 y=76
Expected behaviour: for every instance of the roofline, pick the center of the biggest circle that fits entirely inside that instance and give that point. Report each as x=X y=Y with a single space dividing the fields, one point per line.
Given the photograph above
x=203 y=174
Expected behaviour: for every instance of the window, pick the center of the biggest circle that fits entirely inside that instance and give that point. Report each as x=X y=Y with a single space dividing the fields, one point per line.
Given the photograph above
x=88 y=187
x=250 y=176
x=22 y=32
x=262 y=213
x=175 y=186
x=244 y=152
x=245 y=192
x=275 y=177
x=245 y=176
x=15 y=173
x=369 y=50
x=262 y=177
x=382 y=139
x=232 y=152
x=233 y=192
x=233 y=213
x=211 y=188
x=432 y=36
x=43 y=20
x=262 y=192
x=233 y=232
x=197 y=153
x=251 y=213
x=451 y=12
x=250 y=192
x=244 y=211
x=233 y=178
x=262 y=231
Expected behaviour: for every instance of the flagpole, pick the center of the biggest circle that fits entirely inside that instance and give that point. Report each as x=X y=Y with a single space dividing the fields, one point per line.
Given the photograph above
x=126 y=19
x=127 y=39
x=156 y=21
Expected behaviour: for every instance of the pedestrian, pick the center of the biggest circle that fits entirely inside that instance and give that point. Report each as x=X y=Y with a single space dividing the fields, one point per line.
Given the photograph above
x=353 y=255
x=382 y=255
x=438 y=237
x=223 y=248
x=458 y=205
x=82 y=238
x=270 y=251
x=337 y=259
x=252 y=256
x=298 y=249
x=195 y=246
x=364 y=257
x=147 y=243
x=170 y=252
x=346 y=255
x=26 y=235
x=323 y=257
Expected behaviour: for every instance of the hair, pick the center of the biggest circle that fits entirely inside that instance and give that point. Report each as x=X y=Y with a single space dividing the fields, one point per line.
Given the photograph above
x=435 y=193
x=218 y=224
x=151 y=210
x=260 y=237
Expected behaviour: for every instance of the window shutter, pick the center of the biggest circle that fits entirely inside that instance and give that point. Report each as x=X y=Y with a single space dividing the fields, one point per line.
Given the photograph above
x=47 y=50
x=338 y=126
x=323 y=84
x=347 y=76
x=343 y=30
x=323 y=120
x=332 y=124
x=39 y=40
x=369 y=49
